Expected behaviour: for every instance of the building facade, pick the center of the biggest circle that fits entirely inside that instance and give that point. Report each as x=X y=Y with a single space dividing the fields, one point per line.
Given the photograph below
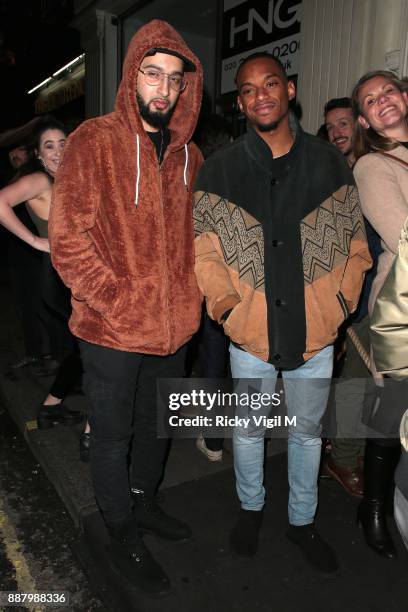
x=329 y=44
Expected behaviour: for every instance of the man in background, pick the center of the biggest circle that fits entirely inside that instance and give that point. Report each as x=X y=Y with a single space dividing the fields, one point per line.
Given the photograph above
x=339 y=121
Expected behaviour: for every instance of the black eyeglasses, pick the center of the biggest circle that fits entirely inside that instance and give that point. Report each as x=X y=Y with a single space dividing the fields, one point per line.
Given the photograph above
x=154 y=77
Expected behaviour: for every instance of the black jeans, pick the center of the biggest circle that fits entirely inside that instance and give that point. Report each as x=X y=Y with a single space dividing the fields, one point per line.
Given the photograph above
x=121 y=391
x=57 y=308
x=213 y=362
x=57 y=303
x=68 y=375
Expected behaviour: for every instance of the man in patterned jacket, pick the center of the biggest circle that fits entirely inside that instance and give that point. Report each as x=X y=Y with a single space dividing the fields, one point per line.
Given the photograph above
x=281 y=254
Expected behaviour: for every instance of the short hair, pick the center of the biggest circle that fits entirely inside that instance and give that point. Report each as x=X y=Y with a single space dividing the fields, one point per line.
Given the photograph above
x=256 y=55
x=337 y=103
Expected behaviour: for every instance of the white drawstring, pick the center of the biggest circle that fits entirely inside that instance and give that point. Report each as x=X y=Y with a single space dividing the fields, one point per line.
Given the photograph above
x=137 y=169
x=185 y=165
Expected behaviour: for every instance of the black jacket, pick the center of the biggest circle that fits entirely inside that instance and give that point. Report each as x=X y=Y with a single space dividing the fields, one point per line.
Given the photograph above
x=290 y=233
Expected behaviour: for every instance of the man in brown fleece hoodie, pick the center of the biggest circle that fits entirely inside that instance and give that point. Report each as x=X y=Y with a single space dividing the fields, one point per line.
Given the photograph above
x=121 y=238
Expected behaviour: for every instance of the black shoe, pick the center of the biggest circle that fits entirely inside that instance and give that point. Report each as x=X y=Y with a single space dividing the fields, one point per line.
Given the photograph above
x=379 y=466
x=151 y=518
x=316 y=551
x=244 y=535
x=129 y=556
x=50 y=416
x=85 y=447
x=371 y=516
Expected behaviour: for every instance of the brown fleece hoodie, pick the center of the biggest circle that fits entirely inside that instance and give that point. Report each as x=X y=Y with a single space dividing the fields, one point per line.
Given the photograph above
x=121 y=229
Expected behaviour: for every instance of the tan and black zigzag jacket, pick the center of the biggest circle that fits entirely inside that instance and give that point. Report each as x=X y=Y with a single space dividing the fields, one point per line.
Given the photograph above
x=282 y=243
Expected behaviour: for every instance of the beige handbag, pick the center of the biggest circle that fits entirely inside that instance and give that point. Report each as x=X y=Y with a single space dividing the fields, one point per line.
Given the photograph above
x=389 y=321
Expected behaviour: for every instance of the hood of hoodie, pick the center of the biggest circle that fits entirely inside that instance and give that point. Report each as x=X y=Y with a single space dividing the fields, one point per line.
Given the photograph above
x=159 y=34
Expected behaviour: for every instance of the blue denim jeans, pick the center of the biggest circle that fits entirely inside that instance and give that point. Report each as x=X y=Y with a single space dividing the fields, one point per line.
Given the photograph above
x=306 y=392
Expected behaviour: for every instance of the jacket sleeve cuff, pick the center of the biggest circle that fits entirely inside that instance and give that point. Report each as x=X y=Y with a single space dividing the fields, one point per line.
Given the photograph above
x=228 y=303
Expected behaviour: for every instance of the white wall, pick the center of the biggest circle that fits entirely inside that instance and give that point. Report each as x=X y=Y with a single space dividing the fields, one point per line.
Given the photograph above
x=340 y=41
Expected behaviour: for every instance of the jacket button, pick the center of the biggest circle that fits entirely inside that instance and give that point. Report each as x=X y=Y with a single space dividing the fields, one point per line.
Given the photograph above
x=274 y=243
x=278 y=302
x=273 y=181
x=278 y=357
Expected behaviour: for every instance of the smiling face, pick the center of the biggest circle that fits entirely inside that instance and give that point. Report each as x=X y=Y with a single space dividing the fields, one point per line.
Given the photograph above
x=50 y=147
x=383 y=106
x=339 y=125
x=264 y=93
x=157 y=102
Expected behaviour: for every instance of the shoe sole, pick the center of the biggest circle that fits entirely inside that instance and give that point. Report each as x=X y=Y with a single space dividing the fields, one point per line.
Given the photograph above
x=331 y=474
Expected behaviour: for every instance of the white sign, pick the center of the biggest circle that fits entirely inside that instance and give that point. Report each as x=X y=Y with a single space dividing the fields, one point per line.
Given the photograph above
x=252 y=26
x=286 y=49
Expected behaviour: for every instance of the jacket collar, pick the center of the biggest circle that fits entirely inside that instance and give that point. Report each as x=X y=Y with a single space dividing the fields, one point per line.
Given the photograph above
x=262 y=154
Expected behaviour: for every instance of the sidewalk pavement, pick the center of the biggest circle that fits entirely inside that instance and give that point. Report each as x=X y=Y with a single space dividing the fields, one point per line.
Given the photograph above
x=204 y=573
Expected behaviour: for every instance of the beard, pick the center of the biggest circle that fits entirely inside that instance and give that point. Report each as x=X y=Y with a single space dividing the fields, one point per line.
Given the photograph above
x=155 y=119
x=269 y=127
x=348 y=151
x=272 y=125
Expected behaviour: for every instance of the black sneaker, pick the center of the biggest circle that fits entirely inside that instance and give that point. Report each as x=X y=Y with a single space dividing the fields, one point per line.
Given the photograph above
x=245 y=534
x=50 y=416
x=151 y=518
x=129 y=557
x=316 y=551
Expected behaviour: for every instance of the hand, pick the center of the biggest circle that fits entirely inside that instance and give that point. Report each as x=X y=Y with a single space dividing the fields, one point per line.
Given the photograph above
x=41 y=244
